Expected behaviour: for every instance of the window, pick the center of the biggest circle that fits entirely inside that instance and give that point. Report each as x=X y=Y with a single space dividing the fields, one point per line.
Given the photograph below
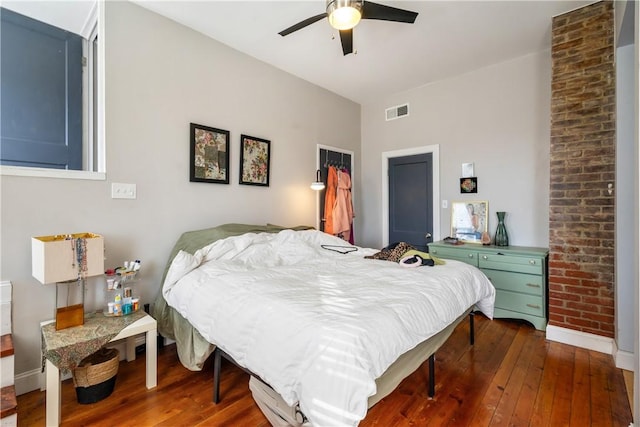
x=50 y=114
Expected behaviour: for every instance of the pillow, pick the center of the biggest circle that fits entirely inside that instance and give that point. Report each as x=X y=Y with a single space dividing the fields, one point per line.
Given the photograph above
x=182 y=264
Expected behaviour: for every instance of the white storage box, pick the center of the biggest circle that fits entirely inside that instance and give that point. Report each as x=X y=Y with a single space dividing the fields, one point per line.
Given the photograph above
x=54 y=258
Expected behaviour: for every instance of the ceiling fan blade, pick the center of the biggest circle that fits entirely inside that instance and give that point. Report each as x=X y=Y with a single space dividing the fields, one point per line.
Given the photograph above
x=300 y=25
x=387 y=13
x=346 y=37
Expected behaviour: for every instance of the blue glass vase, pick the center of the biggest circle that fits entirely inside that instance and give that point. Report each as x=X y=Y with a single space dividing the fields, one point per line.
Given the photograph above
x=502 y=238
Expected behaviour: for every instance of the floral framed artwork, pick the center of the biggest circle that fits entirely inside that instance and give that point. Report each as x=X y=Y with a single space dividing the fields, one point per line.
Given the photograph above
x=254 y=160
x=469 y=185
x=469 y=220
x=209 y=154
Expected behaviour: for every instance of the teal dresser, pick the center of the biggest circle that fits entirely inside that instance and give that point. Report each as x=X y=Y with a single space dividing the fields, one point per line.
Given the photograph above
x=518 y=273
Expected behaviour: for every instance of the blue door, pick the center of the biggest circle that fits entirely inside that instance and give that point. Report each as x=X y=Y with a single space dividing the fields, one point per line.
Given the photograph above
x=40 y=94
x=411 y=200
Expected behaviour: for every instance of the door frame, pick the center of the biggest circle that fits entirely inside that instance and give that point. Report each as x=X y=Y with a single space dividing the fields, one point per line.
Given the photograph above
x=319 y=162
x=386 y=155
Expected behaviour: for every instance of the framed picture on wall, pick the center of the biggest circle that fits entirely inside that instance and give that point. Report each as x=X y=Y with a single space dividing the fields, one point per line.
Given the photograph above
x=209 y=154
x=254 y=160
x=469 y=185
x=469 y=220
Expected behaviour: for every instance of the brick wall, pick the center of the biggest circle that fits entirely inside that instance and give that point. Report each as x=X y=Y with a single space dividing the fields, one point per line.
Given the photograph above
x=581 y=212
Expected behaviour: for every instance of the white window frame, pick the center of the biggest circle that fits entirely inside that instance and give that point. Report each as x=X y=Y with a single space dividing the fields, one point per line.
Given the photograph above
x=93 y=170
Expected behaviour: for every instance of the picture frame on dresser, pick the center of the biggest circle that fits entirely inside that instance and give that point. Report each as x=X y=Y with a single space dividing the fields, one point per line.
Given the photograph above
x=469 y=219
x=208 y=154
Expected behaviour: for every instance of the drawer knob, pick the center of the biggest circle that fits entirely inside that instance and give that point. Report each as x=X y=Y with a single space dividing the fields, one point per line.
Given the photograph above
x=470 y=255
x=532 y=261
x=533 y=306
x=485 y=257
x=533 y=285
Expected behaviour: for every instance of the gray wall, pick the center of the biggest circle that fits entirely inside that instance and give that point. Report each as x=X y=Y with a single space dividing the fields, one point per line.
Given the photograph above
x=496 y=117
x=160 y=76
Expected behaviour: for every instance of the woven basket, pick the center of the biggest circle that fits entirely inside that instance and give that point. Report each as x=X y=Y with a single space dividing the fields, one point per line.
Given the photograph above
x=97 y=368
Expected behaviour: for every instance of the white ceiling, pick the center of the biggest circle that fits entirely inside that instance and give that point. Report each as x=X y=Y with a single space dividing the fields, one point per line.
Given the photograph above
x=448 y=38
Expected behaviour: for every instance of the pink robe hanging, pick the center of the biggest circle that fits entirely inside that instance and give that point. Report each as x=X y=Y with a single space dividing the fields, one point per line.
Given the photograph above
x=343 y=208
x=330 y=199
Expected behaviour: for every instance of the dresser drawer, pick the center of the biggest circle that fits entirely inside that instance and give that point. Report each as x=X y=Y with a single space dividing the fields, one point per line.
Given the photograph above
x=464 y=255
x=518 y=264
x=519 y=274
x=516 y=282
x=521 y=303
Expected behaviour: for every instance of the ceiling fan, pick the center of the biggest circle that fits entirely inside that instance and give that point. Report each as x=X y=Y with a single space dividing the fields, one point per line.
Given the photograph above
x=343 y=15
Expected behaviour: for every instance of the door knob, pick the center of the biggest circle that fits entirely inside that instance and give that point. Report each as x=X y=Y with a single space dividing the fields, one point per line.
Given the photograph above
x=427 y=236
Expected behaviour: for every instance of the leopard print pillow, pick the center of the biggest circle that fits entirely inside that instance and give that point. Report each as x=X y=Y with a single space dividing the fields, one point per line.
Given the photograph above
x=393 y=252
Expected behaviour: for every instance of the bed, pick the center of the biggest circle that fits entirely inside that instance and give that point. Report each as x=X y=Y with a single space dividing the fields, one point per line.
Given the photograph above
x=309 y=316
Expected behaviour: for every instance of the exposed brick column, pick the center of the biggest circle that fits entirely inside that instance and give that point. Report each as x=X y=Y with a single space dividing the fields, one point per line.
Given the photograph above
x=581 y=211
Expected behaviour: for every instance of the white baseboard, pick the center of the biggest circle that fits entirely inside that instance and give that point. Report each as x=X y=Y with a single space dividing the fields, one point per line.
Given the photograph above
x=29 y=381
x=580 y=339
x=121 y=345
x=623 y=359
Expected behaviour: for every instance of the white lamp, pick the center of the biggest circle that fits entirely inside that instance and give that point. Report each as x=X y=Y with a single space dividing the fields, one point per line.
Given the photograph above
x=344 y=14
x=318 y=184
x=66 y=260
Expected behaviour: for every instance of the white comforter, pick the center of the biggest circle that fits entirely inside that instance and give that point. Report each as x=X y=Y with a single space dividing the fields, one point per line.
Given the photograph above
x=317 y=325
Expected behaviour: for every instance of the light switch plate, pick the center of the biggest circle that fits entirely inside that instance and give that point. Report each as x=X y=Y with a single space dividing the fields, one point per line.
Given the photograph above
x=123 y=191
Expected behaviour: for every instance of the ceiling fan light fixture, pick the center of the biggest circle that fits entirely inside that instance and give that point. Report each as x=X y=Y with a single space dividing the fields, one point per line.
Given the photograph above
x=344 y=14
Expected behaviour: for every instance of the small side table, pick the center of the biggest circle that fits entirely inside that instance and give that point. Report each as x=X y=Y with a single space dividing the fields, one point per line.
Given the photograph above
x=145 y=324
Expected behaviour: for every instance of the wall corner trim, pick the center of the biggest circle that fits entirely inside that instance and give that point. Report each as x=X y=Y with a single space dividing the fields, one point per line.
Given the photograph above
x=580 y=339
x=624 y=359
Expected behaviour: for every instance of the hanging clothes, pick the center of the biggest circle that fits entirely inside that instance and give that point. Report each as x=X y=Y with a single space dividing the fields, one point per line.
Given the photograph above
x=330 y=198
x=343 y=208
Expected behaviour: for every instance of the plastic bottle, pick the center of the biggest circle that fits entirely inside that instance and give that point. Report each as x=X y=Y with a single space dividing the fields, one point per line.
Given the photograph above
x=117 y=306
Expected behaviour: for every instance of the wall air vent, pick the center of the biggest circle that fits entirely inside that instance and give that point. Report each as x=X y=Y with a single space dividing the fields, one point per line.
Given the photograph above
x=397 y=112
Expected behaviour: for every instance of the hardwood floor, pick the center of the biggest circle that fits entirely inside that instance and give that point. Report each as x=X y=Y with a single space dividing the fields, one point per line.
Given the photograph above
x=512 y=376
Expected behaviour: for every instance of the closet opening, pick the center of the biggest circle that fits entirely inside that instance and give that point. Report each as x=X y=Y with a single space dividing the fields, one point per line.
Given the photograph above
x=339 y=163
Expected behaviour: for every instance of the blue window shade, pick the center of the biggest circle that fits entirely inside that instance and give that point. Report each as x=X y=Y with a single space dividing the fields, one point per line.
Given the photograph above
x=40 y=94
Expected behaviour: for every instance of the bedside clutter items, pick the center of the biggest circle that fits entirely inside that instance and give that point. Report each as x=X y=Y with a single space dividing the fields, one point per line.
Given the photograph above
x=67 y=260
x=120 y=297
x=518 y=273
